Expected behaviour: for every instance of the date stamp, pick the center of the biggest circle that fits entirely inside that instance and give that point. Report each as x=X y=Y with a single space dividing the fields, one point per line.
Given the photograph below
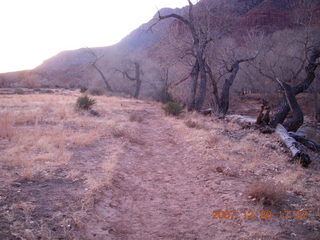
x=264 y=214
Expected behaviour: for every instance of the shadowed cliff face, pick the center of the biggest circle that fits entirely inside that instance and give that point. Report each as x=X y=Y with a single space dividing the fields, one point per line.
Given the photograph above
x=154 y=49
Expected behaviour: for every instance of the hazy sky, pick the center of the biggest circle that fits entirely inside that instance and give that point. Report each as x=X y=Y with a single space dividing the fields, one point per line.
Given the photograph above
x=34 y=30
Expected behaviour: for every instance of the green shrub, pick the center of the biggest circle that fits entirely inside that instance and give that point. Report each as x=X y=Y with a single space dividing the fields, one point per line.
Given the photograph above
x=173 y=108
x=85 y=103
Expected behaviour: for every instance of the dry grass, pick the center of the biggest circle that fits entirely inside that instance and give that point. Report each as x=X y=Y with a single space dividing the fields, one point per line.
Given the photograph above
x=267 y=193
x=135 y=117
x=7 y=123
x=35 y=126
x=42 y=133
x=212 y=141
x=118 y=132
x=130 y=135
x=192 y=124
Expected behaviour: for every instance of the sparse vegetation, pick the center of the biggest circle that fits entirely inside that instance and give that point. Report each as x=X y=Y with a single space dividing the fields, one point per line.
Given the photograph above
x=6 y=123
x=267 y=193
x=173 y=108
x=135 y=117
x=96 y=91
x=18 y=91
x=122 y=169
x=194 y=124
x=85 y=103
x=54 y=149
x=83 y=89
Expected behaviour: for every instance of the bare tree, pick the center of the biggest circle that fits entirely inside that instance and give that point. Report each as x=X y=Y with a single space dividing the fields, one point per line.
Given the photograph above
x=316 y=100
x=136 y=77
x=95 y=66
x=201 y=38
x=291 y=56
x=225 y=61
x=222 y=101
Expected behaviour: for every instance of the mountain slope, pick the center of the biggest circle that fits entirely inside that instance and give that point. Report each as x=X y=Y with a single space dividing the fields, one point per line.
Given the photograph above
x=156 y=48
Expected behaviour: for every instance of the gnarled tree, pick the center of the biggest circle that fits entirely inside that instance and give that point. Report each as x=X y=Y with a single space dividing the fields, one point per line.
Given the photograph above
x=284 y=109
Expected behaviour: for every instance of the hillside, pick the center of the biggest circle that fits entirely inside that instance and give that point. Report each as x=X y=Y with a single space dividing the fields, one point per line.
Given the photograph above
x=158 y=49
x=135 y=173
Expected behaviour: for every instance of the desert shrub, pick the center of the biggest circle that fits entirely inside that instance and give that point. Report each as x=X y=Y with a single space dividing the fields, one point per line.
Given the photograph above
x=267 y=193
x=83 y=89
x=173 y=108
x=85 y=103
x=18 y=91
x=96 y=91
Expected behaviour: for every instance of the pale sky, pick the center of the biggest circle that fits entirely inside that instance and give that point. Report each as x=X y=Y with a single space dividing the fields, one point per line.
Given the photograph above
x=34 y=30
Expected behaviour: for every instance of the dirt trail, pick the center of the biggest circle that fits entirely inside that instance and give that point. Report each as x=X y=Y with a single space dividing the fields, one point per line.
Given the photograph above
x=154 y=177
x=163 y=190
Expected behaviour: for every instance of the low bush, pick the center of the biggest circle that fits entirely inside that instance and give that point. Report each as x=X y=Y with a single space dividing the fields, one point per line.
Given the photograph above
x=96 y=91
x=83 y=89
x=173 y=108
x=85 y=103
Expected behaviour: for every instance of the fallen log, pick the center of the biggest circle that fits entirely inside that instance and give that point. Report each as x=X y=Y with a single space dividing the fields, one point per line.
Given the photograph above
x=243 y=121
x=312 y=145
x=298 y=155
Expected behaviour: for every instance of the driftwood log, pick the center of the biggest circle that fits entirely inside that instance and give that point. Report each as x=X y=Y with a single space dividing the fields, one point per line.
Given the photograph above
x=298 y=155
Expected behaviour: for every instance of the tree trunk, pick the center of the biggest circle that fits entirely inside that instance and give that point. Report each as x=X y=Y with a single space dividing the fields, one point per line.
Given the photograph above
x=194 y=80
x=297 y=154
x=225 y=94
x=103 y=78
x=316 y=102
x=203 y=85
x=297 y=119
x=284 y=109
x=215 y=100
x=138 y=80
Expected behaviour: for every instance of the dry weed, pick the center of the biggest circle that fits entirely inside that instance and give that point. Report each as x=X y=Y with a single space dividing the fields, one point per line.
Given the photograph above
x=267 y=193
x=135 y=117
x=83 y=139
x=26 y=118
x=192 y=124
x=119 y=133
x=6 y=122
x=212 y=141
